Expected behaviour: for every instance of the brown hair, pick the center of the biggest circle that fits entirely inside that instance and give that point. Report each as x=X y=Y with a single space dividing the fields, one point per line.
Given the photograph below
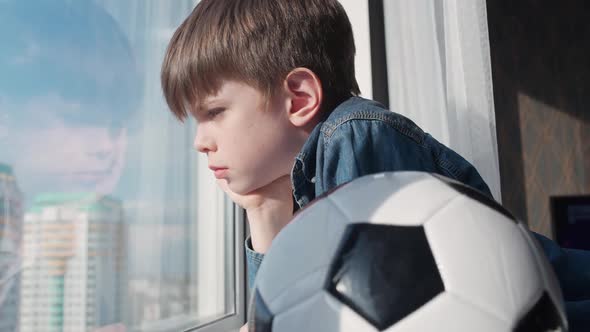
x=258 y=42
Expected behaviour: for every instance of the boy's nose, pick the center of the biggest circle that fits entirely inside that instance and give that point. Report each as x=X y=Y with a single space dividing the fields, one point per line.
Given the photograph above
x=203 y=143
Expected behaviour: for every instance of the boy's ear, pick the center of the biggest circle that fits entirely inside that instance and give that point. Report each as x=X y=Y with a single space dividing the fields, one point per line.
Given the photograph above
x=305 y=92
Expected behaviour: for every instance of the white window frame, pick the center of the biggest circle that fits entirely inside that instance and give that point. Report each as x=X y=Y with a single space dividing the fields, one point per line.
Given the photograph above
x=233 y=321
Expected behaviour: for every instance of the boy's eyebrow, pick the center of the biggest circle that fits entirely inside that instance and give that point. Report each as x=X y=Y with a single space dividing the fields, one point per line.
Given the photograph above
x=203 y=105
x=198 y=107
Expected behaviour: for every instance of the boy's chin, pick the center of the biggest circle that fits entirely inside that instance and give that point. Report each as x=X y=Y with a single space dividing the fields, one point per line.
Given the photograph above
x=241 y=188
x=244 y=188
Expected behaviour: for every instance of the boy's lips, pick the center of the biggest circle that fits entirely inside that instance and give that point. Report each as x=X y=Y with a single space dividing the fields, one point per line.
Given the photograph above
x=219 y=172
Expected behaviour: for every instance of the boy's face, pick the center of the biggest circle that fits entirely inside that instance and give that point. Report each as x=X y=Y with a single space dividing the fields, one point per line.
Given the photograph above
x=249 y=143
x=64 y=157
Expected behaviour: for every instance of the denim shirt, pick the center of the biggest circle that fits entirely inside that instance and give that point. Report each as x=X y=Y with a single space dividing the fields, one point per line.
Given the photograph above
x=362 y=137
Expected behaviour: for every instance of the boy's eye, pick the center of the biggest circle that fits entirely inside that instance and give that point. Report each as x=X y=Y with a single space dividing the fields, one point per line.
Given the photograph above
x=212 y=113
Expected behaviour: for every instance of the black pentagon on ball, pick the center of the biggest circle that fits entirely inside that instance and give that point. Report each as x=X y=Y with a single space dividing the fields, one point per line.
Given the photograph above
x=542 y=317
x=384 y=272
x=476 y=195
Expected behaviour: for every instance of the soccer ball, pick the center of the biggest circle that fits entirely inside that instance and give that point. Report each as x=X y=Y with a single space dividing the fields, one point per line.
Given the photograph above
x=405 y=251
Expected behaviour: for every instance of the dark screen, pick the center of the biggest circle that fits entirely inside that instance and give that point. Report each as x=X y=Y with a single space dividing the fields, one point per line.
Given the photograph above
x=571 y=218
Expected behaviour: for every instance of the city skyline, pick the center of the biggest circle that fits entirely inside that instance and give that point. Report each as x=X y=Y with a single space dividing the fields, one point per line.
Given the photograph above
x=60 y=233
x=11 y=222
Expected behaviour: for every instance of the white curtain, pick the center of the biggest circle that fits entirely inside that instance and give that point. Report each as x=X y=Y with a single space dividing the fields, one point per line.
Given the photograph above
x=439 y=76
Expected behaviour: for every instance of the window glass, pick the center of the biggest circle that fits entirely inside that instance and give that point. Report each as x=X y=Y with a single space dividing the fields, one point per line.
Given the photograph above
x=109 y=219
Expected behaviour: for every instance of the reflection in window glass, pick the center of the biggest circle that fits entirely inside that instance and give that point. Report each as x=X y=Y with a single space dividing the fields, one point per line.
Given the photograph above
x=109 y=220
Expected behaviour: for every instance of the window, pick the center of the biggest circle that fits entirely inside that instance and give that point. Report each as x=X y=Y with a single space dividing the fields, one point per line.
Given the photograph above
x=109 y=217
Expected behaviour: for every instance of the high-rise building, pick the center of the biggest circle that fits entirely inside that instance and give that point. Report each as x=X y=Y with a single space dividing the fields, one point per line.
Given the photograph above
x=11 y=224
x=74 y=277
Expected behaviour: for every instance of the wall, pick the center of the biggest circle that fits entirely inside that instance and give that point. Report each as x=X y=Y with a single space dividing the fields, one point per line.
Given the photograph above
x=540 y=54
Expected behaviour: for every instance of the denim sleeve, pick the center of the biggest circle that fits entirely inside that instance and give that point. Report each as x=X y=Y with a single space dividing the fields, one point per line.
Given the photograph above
x=253 y=261
x=572 y=268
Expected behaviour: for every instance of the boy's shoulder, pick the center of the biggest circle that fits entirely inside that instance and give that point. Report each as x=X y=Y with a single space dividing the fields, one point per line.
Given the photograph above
x=355 y=108
x=361 y=114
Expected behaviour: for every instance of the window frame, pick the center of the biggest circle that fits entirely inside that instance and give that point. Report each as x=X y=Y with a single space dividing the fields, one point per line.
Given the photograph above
x=232 y=321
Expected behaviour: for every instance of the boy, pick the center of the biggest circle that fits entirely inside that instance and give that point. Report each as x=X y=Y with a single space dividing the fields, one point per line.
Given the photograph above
x=271 y=84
